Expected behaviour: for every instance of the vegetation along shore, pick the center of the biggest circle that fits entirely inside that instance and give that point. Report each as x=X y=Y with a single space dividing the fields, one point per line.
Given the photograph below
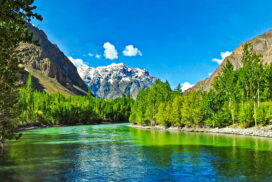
x=239 y=97
x=238 y=103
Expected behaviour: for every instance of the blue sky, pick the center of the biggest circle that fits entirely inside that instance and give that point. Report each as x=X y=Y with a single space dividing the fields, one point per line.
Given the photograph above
x=176 y=40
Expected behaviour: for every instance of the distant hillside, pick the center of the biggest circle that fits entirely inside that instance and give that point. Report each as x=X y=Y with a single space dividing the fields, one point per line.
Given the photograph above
x=262 y=44
x=53 y=71
x=44 y=83
x=116 y=79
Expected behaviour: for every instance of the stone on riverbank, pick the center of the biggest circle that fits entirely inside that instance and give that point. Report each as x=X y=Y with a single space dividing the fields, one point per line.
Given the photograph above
x=262 y=131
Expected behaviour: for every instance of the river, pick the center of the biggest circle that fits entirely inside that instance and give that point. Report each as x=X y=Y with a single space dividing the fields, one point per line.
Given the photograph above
x=116 y=152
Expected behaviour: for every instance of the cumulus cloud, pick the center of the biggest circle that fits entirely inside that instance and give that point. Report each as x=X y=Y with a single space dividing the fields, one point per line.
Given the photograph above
x=223 y=56
x=210 y=74
x=185 y=86
x=130 y=50
x=90 y=54
x=98 y=56
x=77 y=62
x=110 y=52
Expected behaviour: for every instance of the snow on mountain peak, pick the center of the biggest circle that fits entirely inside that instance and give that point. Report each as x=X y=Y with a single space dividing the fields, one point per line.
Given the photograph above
x=116 y=79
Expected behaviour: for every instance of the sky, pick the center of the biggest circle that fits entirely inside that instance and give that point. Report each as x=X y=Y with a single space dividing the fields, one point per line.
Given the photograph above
x=182 y=41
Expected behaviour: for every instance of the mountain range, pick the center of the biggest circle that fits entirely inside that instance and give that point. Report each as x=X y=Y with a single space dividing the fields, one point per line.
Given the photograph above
x=52 y=71
x=116 y=79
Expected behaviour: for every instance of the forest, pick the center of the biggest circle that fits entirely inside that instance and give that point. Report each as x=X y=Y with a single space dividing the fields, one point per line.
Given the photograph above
x=55 y=109
x=240 y=97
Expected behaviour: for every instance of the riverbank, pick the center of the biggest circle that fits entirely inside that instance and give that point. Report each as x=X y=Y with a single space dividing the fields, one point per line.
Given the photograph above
x=265 y=131
x=40 y=126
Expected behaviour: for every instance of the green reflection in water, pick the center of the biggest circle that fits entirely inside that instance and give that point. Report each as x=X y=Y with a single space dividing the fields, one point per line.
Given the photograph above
x=159 y=138
x=236 y=157
x=118 y=153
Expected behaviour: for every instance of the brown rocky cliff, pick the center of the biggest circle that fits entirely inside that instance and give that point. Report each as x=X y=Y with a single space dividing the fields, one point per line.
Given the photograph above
x=51 y=61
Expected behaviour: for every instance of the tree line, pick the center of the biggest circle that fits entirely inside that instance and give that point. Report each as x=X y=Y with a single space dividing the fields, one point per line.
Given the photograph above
x=56 y=109
x=237 y=97
x=26 y=106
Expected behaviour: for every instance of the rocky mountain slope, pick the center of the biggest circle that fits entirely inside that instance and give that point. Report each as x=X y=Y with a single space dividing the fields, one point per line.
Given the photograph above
x=262 y=44
x=116 y=79
x=51 y=69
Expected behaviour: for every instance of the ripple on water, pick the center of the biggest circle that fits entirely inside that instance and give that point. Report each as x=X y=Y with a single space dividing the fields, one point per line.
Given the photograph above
x=114 y=152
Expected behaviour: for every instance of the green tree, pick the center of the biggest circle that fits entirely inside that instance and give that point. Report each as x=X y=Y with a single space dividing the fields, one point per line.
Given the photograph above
x=176 y=110
x=225 y=84
x=29 y=97
x=13 y=30
x=192 y=109
x=267 y=82
x=252 y=67
x=161 y=117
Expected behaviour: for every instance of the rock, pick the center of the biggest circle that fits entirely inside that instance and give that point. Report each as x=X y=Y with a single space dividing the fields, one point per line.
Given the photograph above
x=51 y=62
x=247 y=131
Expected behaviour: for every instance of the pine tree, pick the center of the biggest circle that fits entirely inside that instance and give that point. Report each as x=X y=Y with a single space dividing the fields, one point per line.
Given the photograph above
x=178 y=90
x=13 y=30
x=29 y=96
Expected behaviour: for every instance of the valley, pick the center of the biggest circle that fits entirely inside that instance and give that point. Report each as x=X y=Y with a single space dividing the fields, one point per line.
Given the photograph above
x=104 y=91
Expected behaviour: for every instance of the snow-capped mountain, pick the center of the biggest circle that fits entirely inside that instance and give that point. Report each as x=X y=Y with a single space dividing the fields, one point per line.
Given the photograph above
x=116 y=79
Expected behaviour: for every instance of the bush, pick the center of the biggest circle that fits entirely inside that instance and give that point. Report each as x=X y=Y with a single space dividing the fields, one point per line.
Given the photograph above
x=264 y=113
x=245 y=115
x=221 y=119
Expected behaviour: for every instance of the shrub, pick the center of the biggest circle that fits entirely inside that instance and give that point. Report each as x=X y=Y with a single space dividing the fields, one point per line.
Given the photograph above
x=264 y=113
x=245 y=115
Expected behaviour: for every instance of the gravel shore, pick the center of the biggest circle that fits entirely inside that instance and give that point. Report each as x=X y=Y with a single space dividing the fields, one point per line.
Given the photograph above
x=261 y=131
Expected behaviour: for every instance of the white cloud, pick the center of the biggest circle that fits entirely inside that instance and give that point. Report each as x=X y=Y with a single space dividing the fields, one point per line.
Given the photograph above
x=130 y=50
x=185 y=86
x=110 y=52
x=97 y=56
x=77 y=62
x=223 y=56
x=210 y=74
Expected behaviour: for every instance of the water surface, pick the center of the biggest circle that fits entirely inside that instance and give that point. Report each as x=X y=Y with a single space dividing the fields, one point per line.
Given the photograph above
x=115 y=152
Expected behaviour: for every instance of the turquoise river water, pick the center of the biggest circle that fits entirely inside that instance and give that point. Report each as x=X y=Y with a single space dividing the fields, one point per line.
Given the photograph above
x=116 y=152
